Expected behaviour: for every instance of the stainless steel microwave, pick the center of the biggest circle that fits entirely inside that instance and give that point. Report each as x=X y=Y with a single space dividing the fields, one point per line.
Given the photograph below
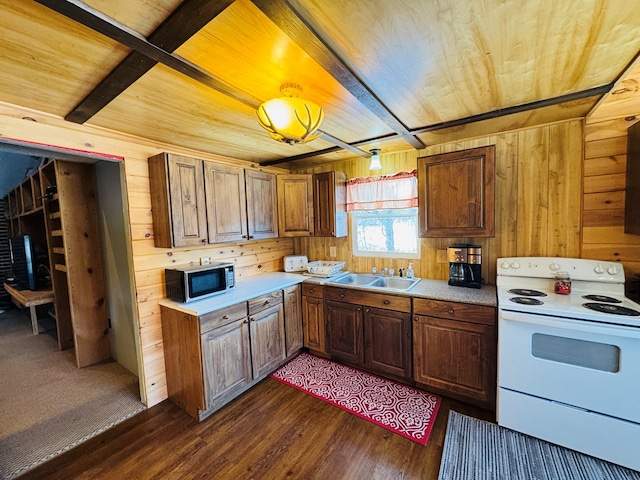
x=189 y=283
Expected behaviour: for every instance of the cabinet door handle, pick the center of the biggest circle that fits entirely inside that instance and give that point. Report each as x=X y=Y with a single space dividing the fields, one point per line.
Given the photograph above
x=386 y=302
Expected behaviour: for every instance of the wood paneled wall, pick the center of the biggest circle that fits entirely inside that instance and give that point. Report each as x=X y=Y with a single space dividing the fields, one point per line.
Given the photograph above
x=148 y=262
x=538 y=200
x=605 y=166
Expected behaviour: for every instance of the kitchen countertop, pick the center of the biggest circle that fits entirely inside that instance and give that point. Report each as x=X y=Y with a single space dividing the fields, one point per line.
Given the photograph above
x=252 y=287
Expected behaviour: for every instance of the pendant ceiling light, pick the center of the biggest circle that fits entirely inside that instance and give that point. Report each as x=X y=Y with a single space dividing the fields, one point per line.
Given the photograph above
x=375 y=159
x=290 y=119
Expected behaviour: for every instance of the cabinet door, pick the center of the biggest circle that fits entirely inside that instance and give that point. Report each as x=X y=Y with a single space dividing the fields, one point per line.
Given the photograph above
x=293 y=320
x=387 y=342
x=267 y=340
x=456 y=193
x=456 y=358
x=295 y=205
x=262 y=204
x=226 y=361
x=329 y=204
x=344 y=330
x=226 y=203
x=313 y=323
x=186 y=216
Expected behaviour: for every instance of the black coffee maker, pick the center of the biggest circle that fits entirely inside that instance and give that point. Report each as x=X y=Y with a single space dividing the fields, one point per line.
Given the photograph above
x=465 y=265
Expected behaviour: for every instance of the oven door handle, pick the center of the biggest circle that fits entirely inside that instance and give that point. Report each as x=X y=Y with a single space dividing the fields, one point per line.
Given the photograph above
x=585 y=326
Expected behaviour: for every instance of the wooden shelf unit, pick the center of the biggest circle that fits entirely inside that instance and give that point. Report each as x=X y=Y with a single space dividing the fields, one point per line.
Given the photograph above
x=57 y=207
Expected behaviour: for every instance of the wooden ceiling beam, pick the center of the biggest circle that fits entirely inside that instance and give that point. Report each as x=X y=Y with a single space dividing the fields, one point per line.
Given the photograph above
x=153 y=54
x=176 y=29
x=150 y=54
x=570 y=97
x=296 y=27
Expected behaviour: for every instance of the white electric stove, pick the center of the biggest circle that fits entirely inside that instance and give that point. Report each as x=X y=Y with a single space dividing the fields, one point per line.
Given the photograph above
x=569 y=364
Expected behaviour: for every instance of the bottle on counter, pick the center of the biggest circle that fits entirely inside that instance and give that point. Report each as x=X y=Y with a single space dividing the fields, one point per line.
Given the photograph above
x=410 y=270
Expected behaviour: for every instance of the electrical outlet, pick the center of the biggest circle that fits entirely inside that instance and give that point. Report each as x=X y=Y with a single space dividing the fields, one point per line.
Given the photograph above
x=332 y=251
x=205 y=260
x=441 y=256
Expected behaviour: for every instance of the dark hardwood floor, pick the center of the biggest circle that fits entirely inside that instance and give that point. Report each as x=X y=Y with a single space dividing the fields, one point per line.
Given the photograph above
x=271 y=432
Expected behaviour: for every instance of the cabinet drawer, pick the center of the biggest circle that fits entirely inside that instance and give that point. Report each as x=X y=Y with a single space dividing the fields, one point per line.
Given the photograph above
x=377 y=300
x=265 y=301
x=223 y=316
x=312 y=290
x=465 y=312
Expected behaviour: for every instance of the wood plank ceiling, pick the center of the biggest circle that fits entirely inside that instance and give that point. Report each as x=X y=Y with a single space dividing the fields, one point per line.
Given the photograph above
x=390 y=74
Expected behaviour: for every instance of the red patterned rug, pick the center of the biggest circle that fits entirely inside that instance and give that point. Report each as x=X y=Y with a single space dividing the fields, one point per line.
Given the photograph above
x=399 y=408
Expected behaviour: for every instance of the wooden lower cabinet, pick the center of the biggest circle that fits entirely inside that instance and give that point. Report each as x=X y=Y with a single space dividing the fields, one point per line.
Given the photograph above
x=387 y=342
x=226 y=363
x=364 y=335
x=313 y=318
x=345 y=332
x=294 y=335
x=210 y=359
x=454 y=350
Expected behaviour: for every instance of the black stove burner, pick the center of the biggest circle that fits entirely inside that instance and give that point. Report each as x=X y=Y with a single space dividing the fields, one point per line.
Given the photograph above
x=602 y=298
x=614 y=309
x=527 y=293
x=526 y=300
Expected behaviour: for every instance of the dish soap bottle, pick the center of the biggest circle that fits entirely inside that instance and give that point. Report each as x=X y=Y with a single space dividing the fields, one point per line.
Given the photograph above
x=410 y=271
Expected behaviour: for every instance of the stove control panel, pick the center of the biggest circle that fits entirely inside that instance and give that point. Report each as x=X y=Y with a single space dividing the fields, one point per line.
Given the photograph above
x=547 y=267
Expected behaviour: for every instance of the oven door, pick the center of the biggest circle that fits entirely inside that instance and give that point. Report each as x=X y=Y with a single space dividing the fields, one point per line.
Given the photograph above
x=580 y=363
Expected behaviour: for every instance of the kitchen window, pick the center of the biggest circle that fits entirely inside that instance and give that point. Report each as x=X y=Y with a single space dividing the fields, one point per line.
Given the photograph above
x=384 y=215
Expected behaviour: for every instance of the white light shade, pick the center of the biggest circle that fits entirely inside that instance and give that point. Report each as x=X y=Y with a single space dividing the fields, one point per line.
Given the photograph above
x=291 y=119
x=375 y=159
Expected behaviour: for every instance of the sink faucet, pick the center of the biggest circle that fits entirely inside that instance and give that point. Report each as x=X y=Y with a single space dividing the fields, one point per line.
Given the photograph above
x=374 y=270
x=384 y=272
x=391 y=272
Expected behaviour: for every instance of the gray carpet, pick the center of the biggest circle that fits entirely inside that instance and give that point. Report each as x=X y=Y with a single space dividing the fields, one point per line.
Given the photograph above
x=47 y=405
x=479 y=450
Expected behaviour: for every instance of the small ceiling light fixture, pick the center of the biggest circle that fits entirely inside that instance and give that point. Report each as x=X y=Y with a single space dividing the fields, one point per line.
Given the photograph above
x=290 y=119
x=375 y=159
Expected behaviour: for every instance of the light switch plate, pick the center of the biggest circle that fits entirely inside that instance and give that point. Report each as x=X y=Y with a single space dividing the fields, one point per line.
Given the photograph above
x=332 y=251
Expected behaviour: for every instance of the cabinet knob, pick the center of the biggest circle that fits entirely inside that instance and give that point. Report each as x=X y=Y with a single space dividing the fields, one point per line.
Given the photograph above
x=359 y=308
x=251 y=319
x=311 y=290
x=245 y=236
x=319 y=302
x=386 y=302
x=245 y=321
x=368 y=310
x=225 y=317
x=450 y=311
x=342 y=295
x=267 y=302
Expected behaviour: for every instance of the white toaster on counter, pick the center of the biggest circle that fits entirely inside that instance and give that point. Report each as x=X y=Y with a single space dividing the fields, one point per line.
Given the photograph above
x=296 y=263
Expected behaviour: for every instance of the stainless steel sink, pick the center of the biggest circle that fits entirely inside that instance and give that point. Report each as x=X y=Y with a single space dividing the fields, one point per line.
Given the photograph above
x=356 y=279
x=396 y=283
x=375 y=281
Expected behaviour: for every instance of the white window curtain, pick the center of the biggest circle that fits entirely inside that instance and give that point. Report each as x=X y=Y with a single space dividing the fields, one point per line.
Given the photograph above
x=383 y=192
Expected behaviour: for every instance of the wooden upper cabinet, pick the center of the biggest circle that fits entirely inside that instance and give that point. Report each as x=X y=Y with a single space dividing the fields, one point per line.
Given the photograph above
x=226 y=202
x=456 y=193
x=632 y=198
x=330 y=204
x=177 y=201
x=262 y=204
x=295 y=205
